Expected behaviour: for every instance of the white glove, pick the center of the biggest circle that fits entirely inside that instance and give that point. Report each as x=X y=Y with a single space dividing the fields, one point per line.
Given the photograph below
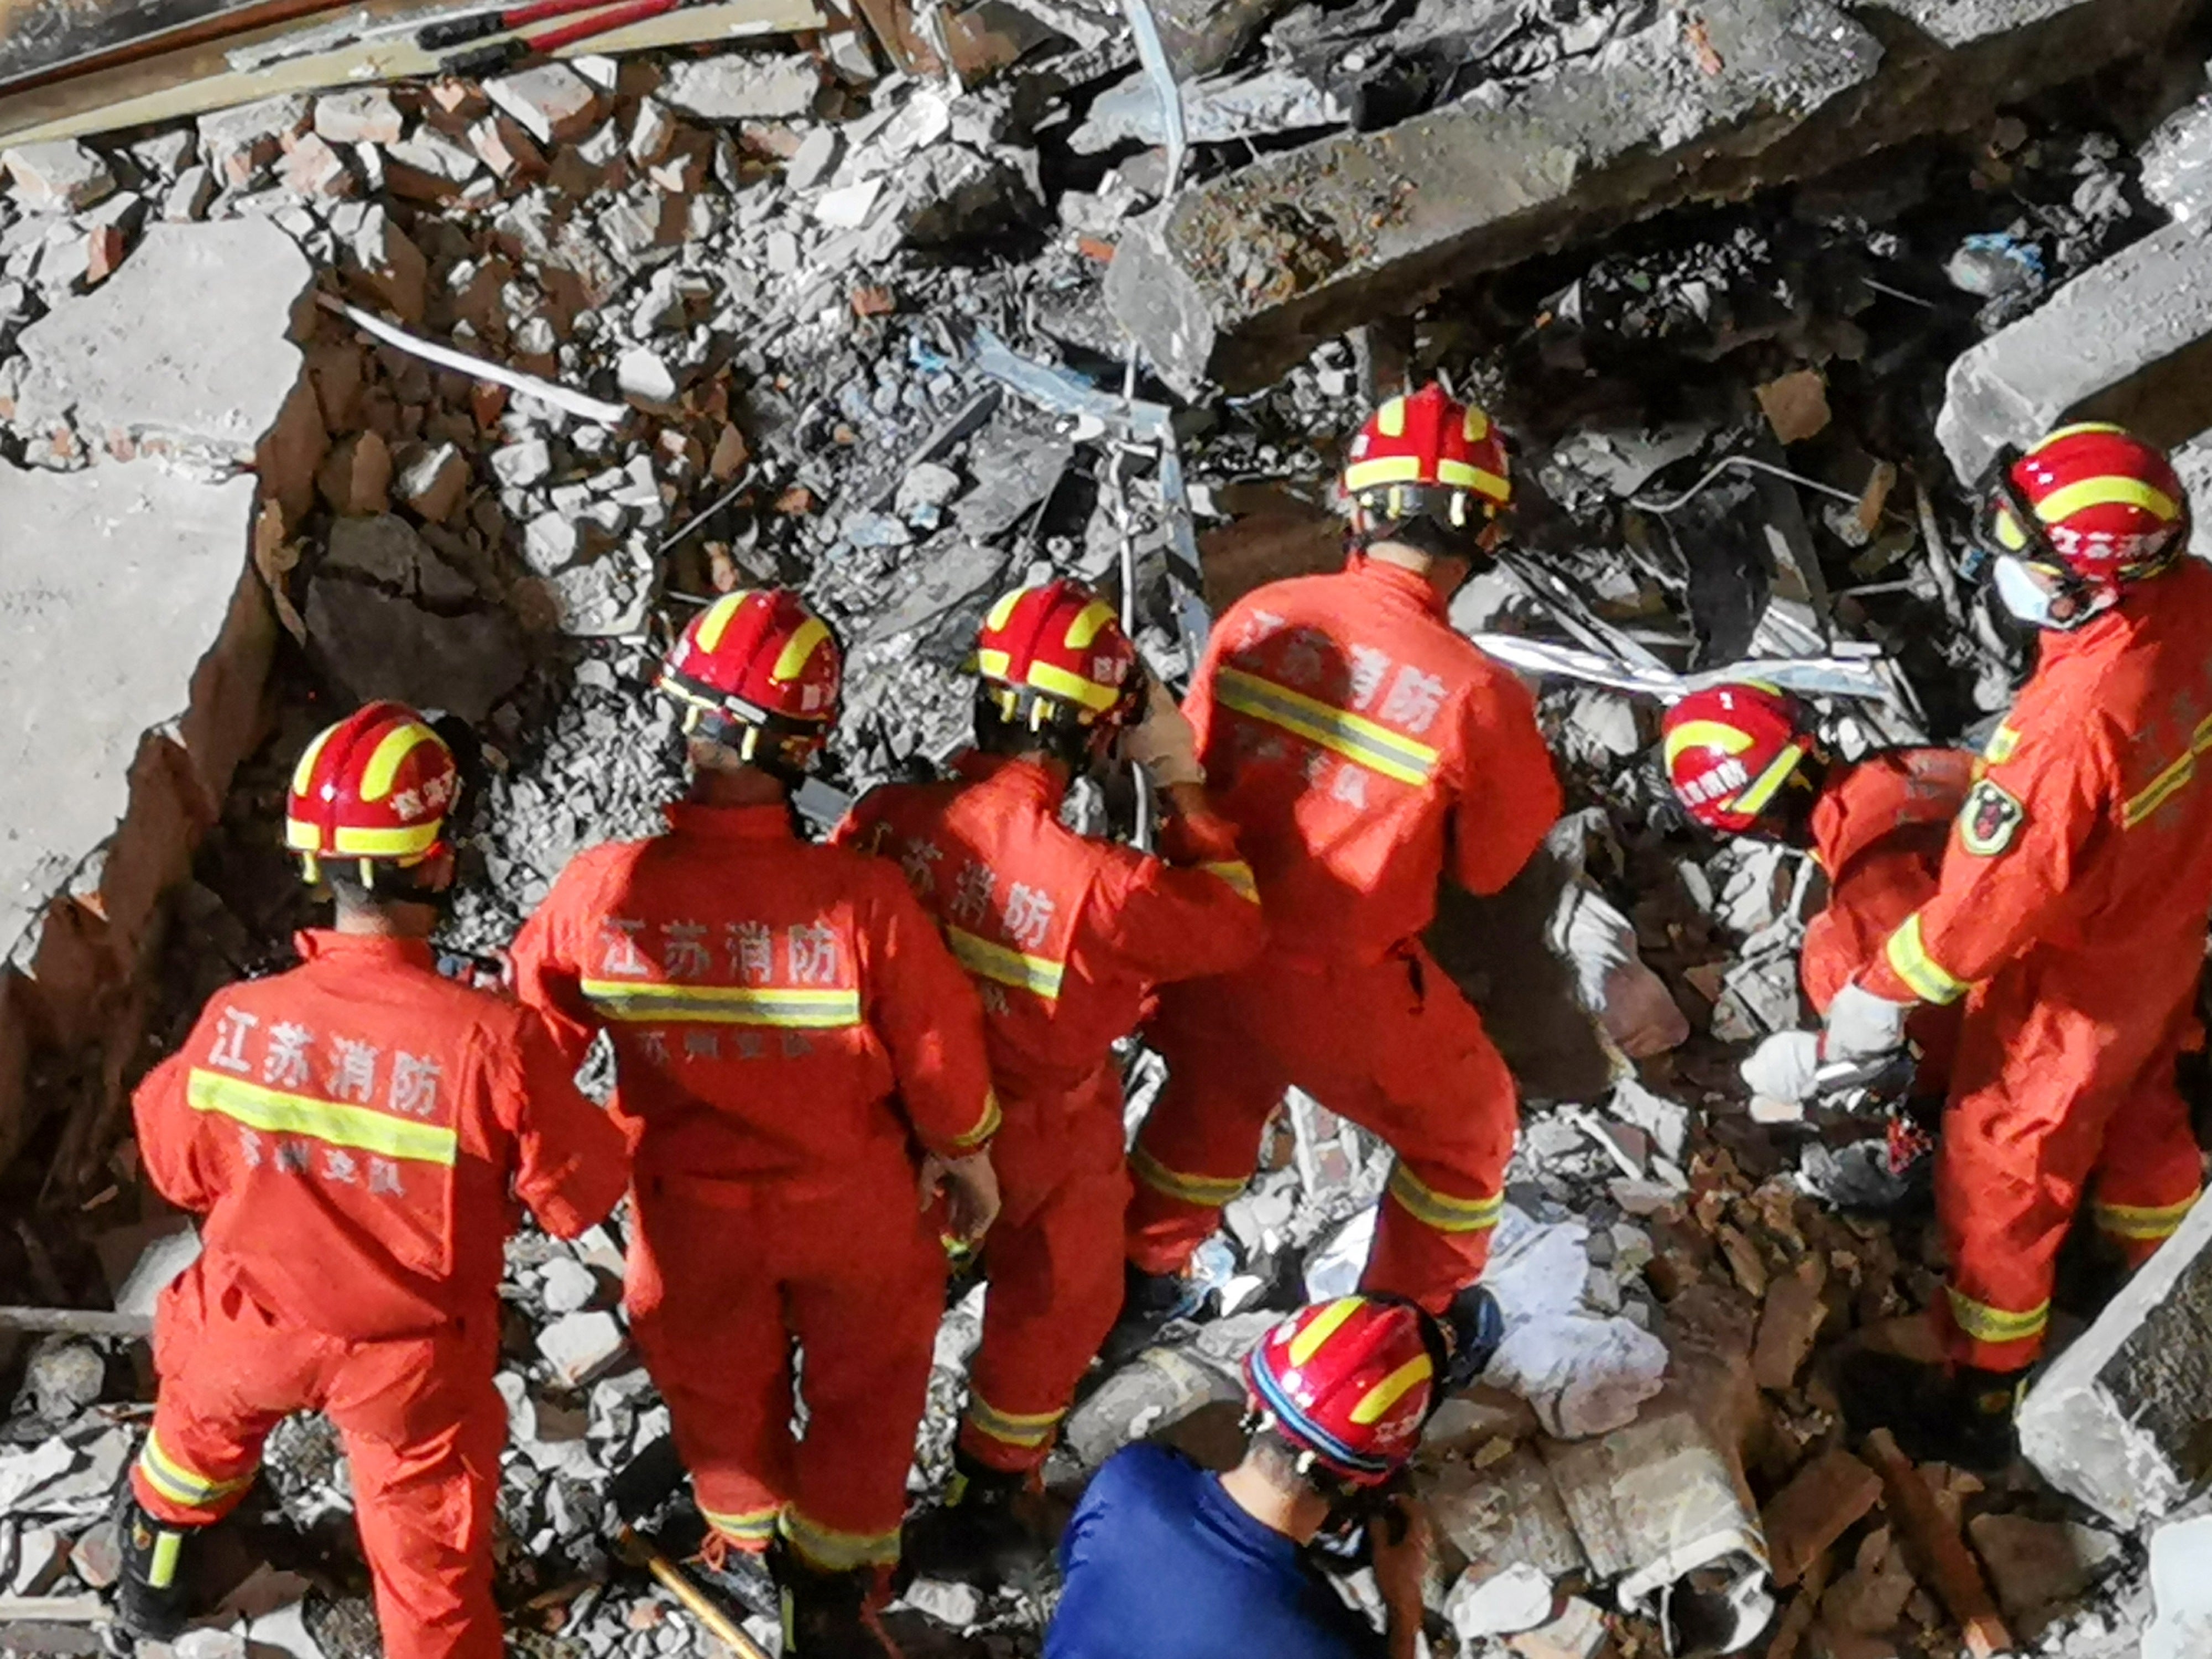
x=1782 y=1068
x=1863 y=1026
x=1164 y=742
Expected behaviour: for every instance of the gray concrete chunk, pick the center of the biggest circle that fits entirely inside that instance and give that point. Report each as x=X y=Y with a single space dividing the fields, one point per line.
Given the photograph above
x=738 y=88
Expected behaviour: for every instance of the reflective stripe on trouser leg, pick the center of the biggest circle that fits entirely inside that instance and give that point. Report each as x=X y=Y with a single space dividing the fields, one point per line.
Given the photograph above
x=172 y=1489
x=1429 y=1243
x=1991 y=1338
x=1021 y=1434
x=2152 y=1224
x=832 y=1551
x=747 y=1529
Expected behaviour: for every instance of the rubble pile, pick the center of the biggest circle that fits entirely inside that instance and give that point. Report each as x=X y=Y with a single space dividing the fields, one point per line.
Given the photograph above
x=536 y=363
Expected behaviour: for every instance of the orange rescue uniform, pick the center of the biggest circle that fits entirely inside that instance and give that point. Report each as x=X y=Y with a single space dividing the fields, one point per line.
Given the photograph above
x=788 y=1025
x=1064 y=937
x=2071 y=918
x=350 y=1130
x=1879 y=829
x=1363 y=750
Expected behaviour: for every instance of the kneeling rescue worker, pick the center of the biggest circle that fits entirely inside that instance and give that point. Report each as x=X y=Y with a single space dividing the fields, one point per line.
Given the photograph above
x=2069 y=916
x=1746 y=760
x=785 y=1022
x=1163 y=1561
x=350 y=1130
x=1064 y=937
x=1363 y=748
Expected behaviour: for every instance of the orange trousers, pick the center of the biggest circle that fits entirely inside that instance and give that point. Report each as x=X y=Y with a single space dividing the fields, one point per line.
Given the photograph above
x=422 y=1426
x=1394 y=1047
x=723 y=1281
x=2065 y=1072
x=1054 y=1262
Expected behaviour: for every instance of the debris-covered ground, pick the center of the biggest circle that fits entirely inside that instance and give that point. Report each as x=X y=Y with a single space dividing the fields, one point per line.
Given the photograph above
x=787 y=318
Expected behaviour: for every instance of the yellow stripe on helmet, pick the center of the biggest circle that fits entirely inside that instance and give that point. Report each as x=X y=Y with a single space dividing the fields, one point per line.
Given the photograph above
x=1706 y=734
x=393 y=750
x=1091 y=621
x=2081 y=429
x=1324 y=1325
x=1002 y=611
x=1374 y=1404
x=2112 y=489
x=1390 y=419
x=798 y=649
x=303 y=774
x=1763 y=788
x=718 y=616
x=1477 y=425
x=1051 y=677
x=1460 y=475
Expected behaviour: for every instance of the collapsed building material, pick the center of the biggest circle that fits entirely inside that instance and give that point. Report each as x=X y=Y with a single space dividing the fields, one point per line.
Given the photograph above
x=2117 y=1420
x=1239 y=278
x=2130 y=340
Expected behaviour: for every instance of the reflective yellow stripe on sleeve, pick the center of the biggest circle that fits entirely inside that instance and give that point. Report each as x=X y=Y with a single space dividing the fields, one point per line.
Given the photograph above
x=2139 y=1221
x=986 y=1125
x=1006 y=965
x=1986 y=1324
x=634 y=1003
x=1238 y=874
x=361 y=1127
x=1929 y=980
x=1443 y=1211
x=1361 y=741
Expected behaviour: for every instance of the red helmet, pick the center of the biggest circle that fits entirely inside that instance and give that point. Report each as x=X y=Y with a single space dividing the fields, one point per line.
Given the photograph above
x=1427 y=454
x=2090 y=502
x=1055 y=655
x=1731 y=748
x=758 y=667
x=1348 y=1383
x=375 y=787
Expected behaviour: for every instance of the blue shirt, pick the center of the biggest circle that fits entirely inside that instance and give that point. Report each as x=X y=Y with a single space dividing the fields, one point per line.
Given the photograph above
x=1159 y=1563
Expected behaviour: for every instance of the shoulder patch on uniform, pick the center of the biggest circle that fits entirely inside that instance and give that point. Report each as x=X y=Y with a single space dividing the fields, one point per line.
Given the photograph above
x=1989 y=819
x=2004 y=742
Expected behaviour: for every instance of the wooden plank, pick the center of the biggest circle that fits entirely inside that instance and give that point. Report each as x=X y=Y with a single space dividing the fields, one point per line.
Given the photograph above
x=158 y=89
x=1944 y=1554
x=40 y=39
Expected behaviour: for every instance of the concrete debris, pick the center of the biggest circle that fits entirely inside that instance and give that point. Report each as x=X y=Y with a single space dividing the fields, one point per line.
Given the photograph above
x=581 y=1345
x=2033 y=1563
x=60 y=176
x=2181 y=1586
x=738 y=86
x=551 y=102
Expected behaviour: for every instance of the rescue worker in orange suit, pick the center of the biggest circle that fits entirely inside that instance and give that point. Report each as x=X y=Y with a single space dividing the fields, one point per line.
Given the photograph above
x=2069 y=918
x=788 y=1027
x=1746 y=760
x=1064 y=937
x=1364 y=749
x=350 y=1130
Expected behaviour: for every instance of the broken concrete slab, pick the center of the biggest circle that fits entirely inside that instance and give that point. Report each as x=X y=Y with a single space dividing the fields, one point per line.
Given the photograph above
x=2128 y=340
x=59 y=176
x=2034 y=1563
x=1239 y=278
x=186 y=353
x=737 y=87
x=2117 y=1420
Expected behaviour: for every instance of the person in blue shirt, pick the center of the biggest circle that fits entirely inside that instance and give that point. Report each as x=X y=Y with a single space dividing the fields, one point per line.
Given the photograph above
x=1166 y=1560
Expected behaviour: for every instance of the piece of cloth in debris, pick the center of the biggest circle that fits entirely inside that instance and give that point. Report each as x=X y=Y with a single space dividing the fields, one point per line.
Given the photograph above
x=1159 y=1562
x=785 y=1017
x=1582 y=1372
x=350 y=1129
x=1362 y=748
x=1064 y=937
x=2070 y=915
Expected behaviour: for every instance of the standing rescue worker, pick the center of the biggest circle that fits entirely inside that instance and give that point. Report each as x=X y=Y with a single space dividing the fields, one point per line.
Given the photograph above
x=1163 y=1561
x=1364 y=749
x=1745 y=760
x=2070 y=917
x=350 y=1131
x=788 y=1029
x=1064 y=937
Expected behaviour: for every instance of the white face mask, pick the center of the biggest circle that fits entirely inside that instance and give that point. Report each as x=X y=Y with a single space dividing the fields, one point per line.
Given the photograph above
x=2020 y=593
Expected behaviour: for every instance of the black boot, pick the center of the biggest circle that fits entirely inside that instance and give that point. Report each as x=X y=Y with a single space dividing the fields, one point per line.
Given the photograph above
x=979 y=1535
x=1150 y=1302
x=1960 y=1415
x=826 y=1614
x=153 y=1595
x=1475 y=1325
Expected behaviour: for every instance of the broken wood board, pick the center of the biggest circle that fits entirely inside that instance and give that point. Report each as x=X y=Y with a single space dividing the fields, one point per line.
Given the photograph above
x=44 y=38
x=175 y=85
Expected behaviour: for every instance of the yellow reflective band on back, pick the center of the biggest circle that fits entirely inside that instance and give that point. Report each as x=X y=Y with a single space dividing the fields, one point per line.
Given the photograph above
x=1706 y=734
x=1092 y=620
x=722 y=1005
x=1376 y=1403
x=383 y=760
x=1050 y=676
x=1930 y=981
x=720 y=614
x=184 y=1487
x=1390 y=419
x=1321 y=1327
x=1375 y=747
x=1446 y=1213
x=1754 y=797
x=1006 y=965
x=361 y=1127
x=1207 y=1192
x=1028 y=1430
x=2144 y=1221
x=839 y=1551
x=2176 y=777
x=1986 y=1324
x=791 y=662
x=1238 y=874
x=304 y=773
x=2114 y=489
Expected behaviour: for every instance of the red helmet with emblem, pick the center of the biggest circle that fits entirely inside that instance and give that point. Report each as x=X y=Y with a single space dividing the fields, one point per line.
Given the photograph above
x=1427 y=455
x=1730 y=750
x=1347 y=1383
x=1054 y=656
x=2089 y=501
x=376 y=787
x=758 y=672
